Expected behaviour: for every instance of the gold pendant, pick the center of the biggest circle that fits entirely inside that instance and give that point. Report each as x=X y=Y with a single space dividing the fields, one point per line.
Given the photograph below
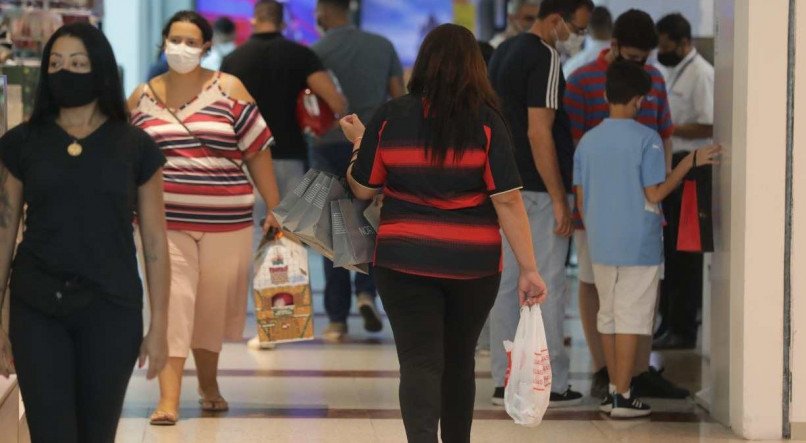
x=74 y=149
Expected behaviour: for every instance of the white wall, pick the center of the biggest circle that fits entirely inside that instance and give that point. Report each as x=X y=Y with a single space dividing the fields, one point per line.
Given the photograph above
x=699 y=12
x=133 y=28
x=748 y=264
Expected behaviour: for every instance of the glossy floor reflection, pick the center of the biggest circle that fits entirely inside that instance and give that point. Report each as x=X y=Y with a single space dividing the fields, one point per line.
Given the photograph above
x=314 y=392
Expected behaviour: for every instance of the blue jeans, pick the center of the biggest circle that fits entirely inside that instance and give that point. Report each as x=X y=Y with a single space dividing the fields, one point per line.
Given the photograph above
x=334 y=158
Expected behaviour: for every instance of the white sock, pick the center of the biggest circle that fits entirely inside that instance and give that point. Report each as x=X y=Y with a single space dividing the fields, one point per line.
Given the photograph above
x=626 y=395
x=612 y=388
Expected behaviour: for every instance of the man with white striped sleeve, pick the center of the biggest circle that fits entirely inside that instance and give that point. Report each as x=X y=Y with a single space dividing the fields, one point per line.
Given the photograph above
x=525 y=72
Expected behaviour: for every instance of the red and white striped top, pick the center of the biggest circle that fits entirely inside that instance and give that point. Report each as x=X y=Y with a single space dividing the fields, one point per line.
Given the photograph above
x=206 y=190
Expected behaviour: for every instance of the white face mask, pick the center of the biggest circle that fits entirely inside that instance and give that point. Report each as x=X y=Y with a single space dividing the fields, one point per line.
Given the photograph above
x=181 y=57
x=571 y=46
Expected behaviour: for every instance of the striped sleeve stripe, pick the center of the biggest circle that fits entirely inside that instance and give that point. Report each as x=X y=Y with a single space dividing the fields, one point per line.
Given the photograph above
x=553 y=89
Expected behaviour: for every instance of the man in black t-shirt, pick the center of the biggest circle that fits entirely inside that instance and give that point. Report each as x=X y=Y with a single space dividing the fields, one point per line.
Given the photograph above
x=274 y=71
x=525 y=72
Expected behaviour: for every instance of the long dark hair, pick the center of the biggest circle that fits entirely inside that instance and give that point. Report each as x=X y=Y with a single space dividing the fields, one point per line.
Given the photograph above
x=189 y=17
x=105 y=75
x=451 y=76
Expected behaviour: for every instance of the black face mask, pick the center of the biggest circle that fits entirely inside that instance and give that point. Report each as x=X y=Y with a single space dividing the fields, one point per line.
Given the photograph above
x=620 y=58
x=71 y=89
x=669 y=59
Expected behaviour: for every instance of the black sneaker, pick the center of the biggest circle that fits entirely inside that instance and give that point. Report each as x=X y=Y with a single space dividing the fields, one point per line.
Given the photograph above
x=629 y=408
x=672 y=341
x=607 y=404
x=372 y=319
x=498 y=397
x=568 y=398
x=652 y=384
x=600 y=383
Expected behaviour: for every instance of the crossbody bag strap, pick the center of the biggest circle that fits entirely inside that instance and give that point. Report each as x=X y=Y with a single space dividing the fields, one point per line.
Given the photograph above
x=190 y=133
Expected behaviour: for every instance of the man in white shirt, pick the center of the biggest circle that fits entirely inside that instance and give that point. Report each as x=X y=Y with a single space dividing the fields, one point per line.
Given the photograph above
x=601 y=32
x=522 y=15
x=690 y=82
x=223 y=43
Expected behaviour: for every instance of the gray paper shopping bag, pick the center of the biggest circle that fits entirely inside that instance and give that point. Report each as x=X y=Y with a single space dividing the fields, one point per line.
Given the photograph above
x=281 y=211
x=304 y=203
x=315 y=229
x=342 y=250
x=359 y=235
x=373 y=212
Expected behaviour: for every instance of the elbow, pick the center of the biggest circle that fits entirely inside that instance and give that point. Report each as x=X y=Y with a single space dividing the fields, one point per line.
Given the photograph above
x=362 y=193
x=506 y=200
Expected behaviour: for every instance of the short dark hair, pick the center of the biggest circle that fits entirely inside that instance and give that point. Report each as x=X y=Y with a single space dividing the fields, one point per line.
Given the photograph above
x=270 y=11
x=625 y=81
x=105 y=75
x=562 y=7
x=635 y=29
x=224 y=25
x=190 y=17
x=587 y=4
x=601 y=20
x=676 y=27
x=343 y=5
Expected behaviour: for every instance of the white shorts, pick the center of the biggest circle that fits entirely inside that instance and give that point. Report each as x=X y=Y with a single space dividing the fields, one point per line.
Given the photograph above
x=584 y=264
x=627 y=297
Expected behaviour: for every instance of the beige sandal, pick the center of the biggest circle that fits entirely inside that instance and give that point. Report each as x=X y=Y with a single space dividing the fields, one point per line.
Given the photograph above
x=162 y=418
x=214 y=405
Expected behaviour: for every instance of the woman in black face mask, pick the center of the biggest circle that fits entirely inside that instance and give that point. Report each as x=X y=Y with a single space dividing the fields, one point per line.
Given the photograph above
x=83 y=171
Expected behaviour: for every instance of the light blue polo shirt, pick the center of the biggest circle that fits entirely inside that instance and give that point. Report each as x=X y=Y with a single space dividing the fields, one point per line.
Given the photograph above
x=613 y=163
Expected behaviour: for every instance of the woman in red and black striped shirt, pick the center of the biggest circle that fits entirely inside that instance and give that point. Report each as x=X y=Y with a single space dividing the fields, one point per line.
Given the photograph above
x=442 y=157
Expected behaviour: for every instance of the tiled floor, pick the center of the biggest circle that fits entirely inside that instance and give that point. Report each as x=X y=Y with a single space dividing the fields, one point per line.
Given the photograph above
x=314 y=392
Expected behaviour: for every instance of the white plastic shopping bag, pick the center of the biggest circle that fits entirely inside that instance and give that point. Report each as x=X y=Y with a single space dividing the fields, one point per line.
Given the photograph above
x=528 y=378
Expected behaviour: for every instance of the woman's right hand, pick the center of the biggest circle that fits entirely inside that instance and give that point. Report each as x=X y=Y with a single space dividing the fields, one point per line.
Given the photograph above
x=352 y=127
x=6 y=359
x=531 y=288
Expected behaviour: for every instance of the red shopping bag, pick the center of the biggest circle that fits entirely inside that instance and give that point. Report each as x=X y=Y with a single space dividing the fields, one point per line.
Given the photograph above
x=688 y=235
x=313 y=114
x=695 y=231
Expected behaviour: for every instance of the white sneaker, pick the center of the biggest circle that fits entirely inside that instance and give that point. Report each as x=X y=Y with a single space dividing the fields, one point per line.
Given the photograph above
x=256 y=344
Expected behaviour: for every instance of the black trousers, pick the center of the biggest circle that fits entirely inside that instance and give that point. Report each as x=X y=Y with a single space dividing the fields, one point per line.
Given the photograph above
x=436 y=324
x=73 y=371
x=681 y=290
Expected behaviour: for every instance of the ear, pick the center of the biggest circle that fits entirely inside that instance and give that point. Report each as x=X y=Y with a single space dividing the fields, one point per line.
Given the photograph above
x=605 y=97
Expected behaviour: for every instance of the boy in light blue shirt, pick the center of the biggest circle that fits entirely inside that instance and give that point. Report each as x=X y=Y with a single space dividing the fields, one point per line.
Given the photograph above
x=620 y=175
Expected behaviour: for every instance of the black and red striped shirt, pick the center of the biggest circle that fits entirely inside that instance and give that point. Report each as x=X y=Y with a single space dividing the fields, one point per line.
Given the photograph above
x=437 y=219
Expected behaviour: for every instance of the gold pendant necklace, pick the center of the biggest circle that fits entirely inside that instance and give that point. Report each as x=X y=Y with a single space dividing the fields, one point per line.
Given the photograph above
x=75 y=149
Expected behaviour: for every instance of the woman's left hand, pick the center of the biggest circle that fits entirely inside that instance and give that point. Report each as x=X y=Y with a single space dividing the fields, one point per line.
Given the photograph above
x=155 y=350
x=352 y=127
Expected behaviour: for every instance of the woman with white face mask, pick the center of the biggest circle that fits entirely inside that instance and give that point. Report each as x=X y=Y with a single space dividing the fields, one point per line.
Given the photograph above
x=211 y=132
